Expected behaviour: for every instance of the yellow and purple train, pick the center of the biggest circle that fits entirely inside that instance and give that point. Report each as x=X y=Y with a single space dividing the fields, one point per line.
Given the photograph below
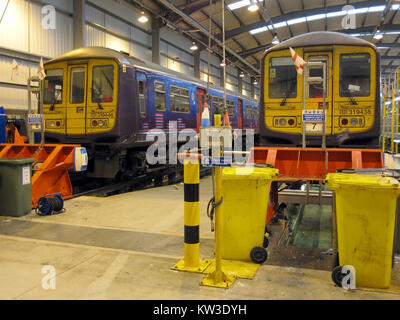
x=107 y=101
x=352 y=95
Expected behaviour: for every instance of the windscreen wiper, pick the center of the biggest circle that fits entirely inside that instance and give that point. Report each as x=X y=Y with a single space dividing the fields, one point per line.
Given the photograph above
x=352 y=100
x=97 y=100
x=283 y=102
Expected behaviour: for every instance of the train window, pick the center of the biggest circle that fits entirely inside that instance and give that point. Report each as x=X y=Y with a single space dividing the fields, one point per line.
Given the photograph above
x=142 y=99
x=217 y=105
x=77 y=93
x=53 y=86
x=316 y=90
x=355 y=75
x=103 y=84
x=159 y=96
x=282 y=78
x=179 y=99
x=249 y=112
x=230 y=104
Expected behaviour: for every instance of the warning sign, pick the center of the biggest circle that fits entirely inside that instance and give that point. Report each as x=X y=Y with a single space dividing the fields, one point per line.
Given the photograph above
x=313 y=115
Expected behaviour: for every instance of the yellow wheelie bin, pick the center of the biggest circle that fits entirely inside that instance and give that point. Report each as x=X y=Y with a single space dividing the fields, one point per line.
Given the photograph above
x=365 y=218
x=245 y=192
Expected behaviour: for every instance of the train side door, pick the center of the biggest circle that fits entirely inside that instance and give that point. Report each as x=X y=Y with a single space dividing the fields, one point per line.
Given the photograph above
x=76 y=100
x=314 y=91
x=200 y=101
x=240 y=113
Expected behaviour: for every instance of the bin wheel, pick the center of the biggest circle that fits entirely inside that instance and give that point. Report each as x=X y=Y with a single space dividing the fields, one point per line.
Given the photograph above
x=337 y=276
x=258 y=255
x=266 y=242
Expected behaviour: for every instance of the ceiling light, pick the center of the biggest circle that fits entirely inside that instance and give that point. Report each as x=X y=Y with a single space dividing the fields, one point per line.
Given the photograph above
x=255 y=81
x=275 y=40
x=194 y=46
x=253 y=6
x=222 y=64
x=143 y=18
x=378 y=35
x=241 y=74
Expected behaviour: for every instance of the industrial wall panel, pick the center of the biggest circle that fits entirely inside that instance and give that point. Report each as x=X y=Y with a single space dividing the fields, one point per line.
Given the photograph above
x=15 y=99
x=142 y=37
x=117 y=43
x=140 y=52
x=14 y=26
x=50 y=42
x=94 y=15
x=95 y=37
x=65 y=5
x=120 y=9
x=20 y=75
x=118 y=26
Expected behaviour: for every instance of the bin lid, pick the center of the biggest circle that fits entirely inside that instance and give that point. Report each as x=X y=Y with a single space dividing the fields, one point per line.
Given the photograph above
x=335 y=180
x=16 y=161
x=246 y=173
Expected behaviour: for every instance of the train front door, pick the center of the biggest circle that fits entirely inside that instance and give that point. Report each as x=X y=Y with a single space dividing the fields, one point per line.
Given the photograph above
x=314 y=92
x=200 y=102
x=76 y=99
x=240 y=113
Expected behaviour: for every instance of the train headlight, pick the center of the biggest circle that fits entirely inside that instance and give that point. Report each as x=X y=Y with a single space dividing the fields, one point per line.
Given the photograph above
x=101 y=123
x=282 y=121
x=353 y=121
x=345 y=122
x=52 y=124
x=291 y=122
x=94 y=123
x=58 y=123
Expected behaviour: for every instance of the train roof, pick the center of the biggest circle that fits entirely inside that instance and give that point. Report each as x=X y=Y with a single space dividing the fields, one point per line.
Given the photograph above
x=124 y=58
x=321 y=38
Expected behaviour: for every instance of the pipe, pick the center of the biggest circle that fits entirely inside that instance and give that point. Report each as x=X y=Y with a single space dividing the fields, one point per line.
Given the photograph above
x=198 y=26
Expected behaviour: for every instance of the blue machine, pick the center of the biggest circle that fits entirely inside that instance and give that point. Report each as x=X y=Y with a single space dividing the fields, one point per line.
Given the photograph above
x=3 y=123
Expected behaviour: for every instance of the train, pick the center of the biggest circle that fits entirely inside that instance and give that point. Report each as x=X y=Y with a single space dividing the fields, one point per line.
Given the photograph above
x=352 y=95
x=108 y=101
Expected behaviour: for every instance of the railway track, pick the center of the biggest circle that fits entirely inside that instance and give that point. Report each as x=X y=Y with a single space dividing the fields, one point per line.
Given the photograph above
x=152 y=179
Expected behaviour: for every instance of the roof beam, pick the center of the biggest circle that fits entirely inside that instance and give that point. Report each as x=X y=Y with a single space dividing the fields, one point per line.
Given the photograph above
x=299 y=14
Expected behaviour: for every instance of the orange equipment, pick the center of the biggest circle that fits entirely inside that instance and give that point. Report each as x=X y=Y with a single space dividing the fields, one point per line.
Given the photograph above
x=13 y=136
x=310 y=164
x=50 y=168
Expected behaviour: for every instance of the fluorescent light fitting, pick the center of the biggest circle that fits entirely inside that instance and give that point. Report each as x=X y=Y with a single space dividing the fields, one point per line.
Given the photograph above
x=395 y=7
x=295 y=21
x=258 y=30
x=316 y=17
x=357 y=11
x=253 y=7
x=222 y=64
x=376 y=9
x=241 y=74
x=336 y=14
x=238 y=4
x=143 y=18
x=280 y=24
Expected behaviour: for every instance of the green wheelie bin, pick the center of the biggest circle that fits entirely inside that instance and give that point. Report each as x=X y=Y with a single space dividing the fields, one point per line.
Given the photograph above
x=15 y=186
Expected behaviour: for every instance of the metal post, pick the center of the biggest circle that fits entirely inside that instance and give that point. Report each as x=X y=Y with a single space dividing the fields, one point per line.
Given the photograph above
x=393 y=116
x=384 y=122
x=218 y=278
x=324 y=107
x=305 y=70
x=191 y=259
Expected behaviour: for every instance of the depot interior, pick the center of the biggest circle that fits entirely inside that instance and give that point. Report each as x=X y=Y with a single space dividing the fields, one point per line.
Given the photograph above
x=84 y=215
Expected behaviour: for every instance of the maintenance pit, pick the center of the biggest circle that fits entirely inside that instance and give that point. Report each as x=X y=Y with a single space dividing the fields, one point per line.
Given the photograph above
x=114 y=248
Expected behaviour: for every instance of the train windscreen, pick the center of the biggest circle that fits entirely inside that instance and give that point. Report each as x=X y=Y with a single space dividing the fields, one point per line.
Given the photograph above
x=282 y=78
x=355 y=75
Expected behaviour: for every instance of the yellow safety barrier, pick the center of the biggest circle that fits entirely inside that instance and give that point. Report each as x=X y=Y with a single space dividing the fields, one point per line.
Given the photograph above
x=365 y=218
x=191 y=258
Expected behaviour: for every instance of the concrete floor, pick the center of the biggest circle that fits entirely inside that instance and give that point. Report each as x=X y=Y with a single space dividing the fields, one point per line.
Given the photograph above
x=123 y=247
